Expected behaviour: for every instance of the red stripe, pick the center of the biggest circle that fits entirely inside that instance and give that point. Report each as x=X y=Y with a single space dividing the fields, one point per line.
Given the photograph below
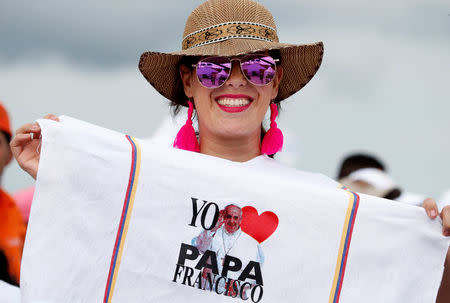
x=348 y=246
x=120 y=224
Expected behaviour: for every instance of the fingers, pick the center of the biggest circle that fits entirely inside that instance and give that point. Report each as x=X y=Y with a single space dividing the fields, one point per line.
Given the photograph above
x=20 y=140
x=52 y=117
x=34 y=127
x=445 y=216
x=430 y=207
x=24 y=135
x=29 y=128
x=432 y=210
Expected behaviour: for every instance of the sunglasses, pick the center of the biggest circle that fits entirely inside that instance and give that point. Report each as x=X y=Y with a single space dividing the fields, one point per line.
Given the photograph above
x=258 y=69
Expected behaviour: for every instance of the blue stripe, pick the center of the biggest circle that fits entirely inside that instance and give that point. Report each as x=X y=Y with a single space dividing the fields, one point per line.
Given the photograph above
x=124 y=216
x=345 y=247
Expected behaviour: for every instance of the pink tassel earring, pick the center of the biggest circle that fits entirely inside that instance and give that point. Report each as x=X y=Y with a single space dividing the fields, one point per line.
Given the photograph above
x=273 y=139
x=186 y=138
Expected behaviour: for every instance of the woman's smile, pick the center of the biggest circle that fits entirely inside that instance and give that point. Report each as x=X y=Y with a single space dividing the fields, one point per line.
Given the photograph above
x=232 y=103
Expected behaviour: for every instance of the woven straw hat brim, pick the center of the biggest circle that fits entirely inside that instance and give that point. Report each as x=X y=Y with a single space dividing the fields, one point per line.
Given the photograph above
x=300 y=63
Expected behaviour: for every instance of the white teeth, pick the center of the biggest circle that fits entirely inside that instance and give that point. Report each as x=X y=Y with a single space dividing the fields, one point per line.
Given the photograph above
x=231 y=102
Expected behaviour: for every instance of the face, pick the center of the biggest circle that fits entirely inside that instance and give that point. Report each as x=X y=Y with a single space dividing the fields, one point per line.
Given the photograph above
x=234 y=110
x=233 y=218
x=5 y=152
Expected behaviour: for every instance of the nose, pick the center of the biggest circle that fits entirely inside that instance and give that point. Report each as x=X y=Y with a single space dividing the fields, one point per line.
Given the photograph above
x=236 y=79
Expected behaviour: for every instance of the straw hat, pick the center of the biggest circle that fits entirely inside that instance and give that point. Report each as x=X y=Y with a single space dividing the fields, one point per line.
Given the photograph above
x=231 y=28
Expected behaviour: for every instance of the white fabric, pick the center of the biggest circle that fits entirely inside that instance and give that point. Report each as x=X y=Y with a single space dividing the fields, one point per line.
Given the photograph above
x=9 y=293
x=396 y=253
x=444 y=200
x=411 y=198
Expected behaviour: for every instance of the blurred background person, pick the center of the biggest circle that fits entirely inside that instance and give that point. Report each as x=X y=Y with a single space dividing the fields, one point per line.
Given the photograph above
x=366 y=174
x=12 y=226
x=23 y=199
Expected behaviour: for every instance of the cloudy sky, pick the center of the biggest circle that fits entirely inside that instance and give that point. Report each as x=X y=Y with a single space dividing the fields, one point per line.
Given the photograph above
x=383 y=86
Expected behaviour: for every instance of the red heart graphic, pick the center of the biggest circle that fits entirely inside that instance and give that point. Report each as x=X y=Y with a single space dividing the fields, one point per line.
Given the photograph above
x=259 y=227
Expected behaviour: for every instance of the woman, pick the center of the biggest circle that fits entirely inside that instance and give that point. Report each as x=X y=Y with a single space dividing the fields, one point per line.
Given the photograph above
x=231 y=69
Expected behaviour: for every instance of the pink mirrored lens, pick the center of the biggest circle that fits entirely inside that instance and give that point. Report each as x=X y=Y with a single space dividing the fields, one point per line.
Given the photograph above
x=259 y=69
x=213 y=71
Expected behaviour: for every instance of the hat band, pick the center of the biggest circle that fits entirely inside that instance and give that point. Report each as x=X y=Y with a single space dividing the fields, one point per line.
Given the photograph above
x=229 y=30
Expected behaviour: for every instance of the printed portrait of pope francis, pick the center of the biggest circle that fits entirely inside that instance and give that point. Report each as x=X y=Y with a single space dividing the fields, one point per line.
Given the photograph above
x=227 y=238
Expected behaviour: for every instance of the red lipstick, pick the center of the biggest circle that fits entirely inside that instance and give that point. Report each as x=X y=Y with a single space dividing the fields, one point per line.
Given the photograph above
x=234 y=109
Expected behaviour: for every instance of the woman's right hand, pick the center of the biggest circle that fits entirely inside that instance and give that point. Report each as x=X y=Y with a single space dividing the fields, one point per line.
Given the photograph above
x=26 y=146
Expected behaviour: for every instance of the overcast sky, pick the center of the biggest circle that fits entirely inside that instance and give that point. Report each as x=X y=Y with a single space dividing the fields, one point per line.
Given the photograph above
x=383 y=86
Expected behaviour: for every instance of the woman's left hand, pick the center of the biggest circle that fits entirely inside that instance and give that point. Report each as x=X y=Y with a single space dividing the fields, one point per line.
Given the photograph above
x=432 y=211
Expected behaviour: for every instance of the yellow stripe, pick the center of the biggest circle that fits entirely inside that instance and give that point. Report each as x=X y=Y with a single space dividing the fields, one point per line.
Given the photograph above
x=341 y=248
x=127 y=220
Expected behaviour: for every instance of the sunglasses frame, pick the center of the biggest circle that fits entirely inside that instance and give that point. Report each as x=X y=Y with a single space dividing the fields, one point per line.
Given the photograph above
x=240 y=65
